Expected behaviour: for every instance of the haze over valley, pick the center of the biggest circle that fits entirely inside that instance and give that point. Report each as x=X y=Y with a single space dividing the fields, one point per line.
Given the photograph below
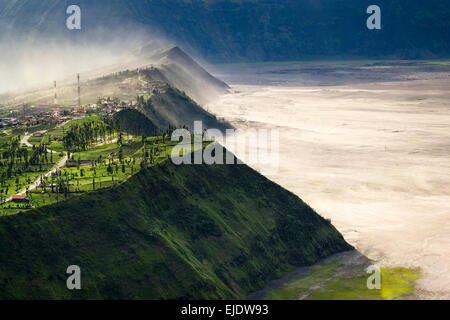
x=365 y=147
x=348 y=101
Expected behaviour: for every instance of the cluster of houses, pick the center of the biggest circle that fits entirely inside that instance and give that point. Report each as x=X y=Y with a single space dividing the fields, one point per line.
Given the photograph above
x=108 y=105
x=105 y=106
x=32 y=120
x=143 y=86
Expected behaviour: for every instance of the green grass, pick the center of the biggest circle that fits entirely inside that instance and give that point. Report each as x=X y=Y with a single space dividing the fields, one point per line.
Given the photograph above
x=398 y=282
x=89 y=175
x=168 y=232
x=86 y=176
x=32 y=174
x=40 y=127
x=37 y=200
x=94 y=152
x=326 y=282
x=4 y=139
x=59 y=132
x=103 y=178
x=36 y=140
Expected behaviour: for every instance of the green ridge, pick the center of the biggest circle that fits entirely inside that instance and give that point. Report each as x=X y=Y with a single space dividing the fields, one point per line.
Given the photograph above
x=169 y=232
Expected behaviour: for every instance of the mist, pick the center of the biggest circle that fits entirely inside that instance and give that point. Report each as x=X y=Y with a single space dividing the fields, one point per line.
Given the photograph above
x=373 y=157
x=39 y=60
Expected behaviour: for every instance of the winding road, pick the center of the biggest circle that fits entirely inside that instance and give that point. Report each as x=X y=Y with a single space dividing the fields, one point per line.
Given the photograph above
x=36 y=184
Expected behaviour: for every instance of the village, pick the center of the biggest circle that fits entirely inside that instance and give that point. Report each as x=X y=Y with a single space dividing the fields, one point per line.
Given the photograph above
x=29 y=119
x=38 y=162
x=36 y=131
x=48 y=114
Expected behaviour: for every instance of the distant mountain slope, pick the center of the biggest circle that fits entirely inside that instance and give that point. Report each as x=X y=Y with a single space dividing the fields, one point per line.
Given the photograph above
x=170 y=232
x=169 y=64
x=184 y=73
x=170 y=107
x=258 y=30
x=172 y=65
x=167 y=77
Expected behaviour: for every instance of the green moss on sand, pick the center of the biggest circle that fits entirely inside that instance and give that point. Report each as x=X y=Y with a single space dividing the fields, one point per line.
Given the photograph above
x=333 y=281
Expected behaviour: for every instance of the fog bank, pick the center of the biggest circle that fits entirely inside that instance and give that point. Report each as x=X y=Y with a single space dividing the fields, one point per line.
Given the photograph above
x=374 y=158
x=38 y=60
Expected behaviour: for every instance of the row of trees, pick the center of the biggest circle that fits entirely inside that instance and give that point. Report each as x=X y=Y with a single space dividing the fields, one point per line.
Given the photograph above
x=80 y=137
x=16 y=160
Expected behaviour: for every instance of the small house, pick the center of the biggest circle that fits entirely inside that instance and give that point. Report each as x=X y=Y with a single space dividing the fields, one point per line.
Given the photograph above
x=20 y=199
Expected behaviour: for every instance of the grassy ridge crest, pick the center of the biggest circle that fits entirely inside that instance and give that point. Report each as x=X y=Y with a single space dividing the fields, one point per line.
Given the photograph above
x=169 y=232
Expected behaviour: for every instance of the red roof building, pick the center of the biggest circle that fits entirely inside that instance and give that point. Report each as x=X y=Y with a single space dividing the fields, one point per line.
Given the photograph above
x=19 y=198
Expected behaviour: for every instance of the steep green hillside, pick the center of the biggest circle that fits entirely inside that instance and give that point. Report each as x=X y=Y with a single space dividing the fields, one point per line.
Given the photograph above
x=191 y=231
x=173 y=107
x=134 y=122
x=170 y=107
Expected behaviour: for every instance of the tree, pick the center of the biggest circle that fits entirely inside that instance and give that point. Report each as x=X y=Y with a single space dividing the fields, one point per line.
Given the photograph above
x=119 y=140
x=17 y=184
x=120 y=154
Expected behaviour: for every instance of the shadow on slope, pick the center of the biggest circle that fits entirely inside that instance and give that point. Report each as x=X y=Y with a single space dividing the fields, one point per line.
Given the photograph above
x=169 y=232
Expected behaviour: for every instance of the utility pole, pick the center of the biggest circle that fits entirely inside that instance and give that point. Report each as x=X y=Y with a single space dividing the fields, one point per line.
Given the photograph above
x=55 y=97
x=79 y=92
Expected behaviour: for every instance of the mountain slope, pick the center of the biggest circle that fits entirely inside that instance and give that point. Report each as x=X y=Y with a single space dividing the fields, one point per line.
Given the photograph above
x=170 y=232
x=134 y=122
x=173 y=107
x=169 y=65
x=182 y=72
x=172 y=65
